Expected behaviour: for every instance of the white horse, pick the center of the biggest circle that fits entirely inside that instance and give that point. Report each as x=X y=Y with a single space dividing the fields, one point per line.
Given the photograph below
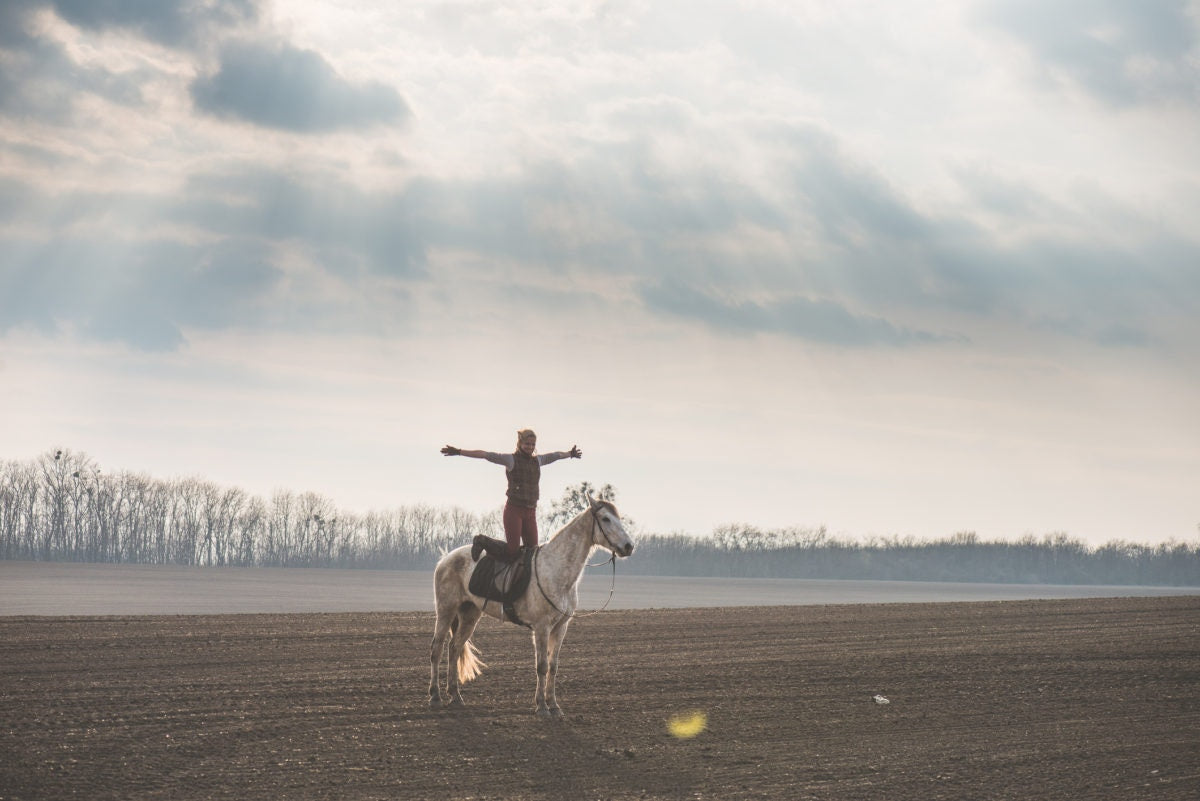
x=547 y=607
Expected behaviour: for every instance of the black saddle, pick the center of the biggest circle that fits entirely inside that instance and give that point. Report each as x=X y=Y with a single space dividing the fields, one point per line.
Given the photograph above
x=497 y=579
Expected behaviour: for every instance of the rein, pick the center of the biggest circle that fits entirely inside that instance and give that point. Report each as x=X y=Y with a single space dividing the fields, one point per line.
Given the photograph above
x=612 y=559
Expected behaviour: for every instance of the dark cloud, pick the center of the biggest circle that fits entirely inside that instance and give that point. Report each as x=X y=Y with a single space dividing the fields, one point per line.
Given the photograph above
x=144 y=293
x=884 y=253
x=277 y=86
x=1123 y=336
x=850 y=201
x=13 y=198
x=862 y=256
x=148 y=291
x=1121 y=52
x=174 y=23
x=866 y=256
x=40 y=79
x=1105 y=334
x=383 y=232
x=283 y=87
x=14 y=21
x=1004 y=196
x=617 y=212
x=168 y=22
x=875 y=245
x=851 y=261
x=821 y=321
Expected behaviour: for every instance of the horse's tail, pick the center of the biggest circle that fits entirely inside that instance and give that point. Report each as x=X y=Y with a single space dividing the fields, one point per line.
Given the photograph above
x=469 y=664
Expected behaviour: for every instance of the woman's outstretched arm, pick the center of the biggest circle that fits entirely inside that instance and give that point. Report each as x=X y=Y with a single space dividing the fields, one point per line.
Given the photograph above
x=551 y=458
x=450 y=450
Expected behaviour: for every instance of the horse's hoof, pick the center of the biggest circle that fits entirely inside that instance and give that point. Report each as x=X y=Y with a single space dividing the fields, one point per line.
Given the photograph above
x=434 y=703
x=456 y=703
x=556 y=713
x=543 y=712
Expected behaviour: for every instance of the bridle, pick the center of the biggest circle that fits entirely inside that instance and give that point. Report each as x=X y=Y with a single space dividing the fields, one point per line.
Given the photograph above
x=612 y=559
x=612 y=548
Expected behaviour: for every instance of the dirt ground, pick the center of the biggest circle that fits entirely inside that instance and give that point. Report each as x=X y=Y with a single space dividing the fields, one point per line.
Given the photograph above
x=1071 y=699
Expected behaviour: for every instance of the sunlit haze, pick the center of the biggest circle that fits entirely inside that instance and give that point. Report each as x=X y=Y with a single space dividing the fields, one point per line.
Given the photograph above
x=906 y=269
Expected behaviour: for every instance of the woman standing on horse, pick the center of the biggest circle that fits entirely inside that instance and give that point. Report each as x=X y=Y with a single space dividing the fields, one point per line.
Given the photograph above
x=524 y=471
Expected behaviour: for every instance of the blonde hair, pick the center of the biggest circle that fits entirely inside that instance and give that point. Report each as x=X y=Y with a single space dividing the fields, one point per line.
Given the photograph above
x=524 y=434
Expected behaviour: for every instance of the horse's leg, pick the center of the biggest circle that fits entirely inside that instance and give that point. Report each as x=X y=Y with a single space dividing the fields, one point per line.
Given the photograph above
x=468 y=616
x=541 y=653
x=441 y=628
x=557 y=633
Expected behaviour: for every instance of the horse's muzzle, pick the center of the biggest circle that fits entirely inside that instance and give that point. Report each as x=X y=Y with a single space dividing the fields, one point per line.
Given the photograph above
x=626 y=551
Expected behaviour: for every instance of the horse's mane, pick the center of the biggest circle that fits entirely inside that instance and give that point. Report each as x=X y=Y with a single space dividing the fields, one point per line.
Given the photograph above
x=609 y=505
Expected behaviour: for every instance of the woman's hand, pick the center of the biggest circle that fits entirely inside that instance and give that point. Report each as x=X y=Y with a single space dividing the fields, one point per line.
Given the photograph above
x=450 y=450
x=575 y=453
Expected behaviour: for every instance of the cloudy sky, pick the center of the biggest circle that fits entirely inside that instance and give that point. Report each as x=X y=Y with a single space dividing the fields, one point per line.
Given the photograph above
x=903 y=268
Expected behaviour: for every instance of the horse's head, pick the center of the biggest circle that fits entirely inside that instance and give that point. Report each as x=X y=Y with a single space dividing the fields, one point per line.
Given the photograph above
x=607 y=530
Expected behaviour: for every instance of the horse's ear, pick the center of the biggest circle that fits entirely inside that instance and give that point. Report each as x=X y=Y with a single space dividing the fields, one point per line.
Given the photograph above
x=590 y=499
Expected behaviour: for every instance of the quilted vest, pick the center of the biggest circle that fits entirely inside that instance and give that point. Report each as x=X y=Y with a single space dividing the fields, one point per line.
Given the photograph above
x=523 y=480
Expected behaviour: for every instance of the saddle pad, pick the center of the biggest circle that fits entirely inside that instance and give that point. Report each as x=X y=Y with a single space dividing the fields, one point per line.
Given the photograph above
x=491 y=577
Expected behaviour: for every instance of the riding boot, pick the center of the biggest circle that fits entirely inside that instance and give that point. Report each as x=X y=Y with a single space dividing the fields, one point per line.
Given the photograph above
x=497 y=549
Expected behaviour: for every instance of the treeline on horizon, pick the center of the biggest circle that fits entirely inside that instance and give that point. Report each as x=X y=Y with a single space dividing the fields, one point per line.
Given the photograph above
x=61 y=507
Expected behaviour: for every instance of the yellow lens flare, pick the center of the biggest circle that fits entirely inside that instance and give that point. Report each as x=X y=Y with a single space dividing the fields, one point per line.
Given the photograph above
x=687 y=725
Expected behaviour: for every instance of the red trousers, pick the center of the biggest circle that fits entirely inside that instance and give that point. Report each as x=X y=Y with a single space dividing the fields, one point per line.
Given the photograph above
x=520 y=527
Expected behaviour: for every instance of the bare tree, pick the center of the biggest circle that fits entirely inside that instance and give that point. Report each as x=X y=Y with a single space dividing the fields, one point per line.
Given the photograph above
x=573 y=501
x=60 y=506
x=18 y=497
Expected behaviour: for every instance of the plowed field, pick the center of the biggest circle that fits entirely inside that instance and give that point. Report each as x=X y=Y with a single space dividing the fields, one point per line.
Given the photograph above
x=1070 y=699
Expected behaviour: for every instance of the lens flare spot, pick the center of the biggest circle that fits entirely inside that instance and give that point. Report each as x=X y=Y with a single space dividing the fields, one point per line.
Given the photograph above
x=686 y=725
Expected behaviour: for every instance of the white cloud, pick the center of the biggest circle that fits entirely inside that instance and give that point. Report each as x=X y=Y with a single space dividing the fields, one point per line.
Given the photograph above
x=1120 y=53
